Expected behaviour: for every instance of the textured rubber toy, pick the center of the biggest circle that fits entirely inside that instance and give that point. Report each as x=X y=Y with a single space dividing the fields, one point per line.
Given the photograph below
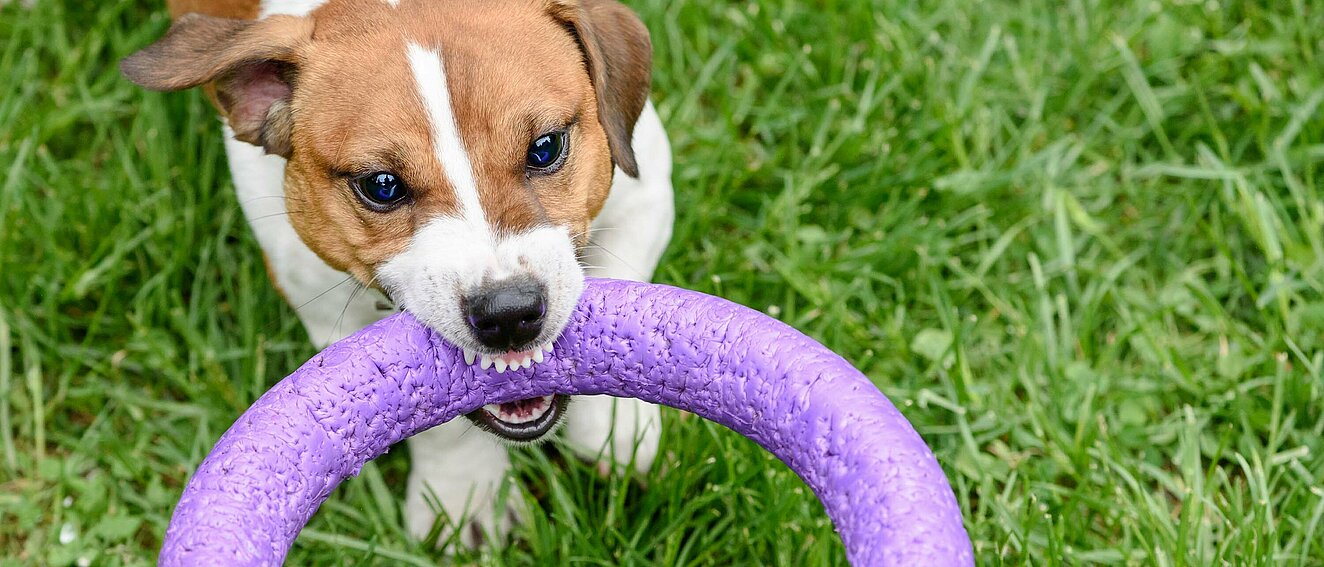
x=880 y=484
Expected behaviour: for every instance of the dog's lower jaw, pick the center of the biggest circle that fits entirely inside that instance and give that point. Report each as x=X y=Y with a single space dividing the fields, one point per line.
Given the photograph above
x=522 y=421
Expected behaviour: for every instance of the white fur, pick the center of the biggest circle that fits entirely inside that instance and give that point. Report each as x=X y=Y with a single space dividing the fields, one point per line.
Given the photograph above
x=294 y=7
x=430 y=79
x=288 y=7
x=446 y=259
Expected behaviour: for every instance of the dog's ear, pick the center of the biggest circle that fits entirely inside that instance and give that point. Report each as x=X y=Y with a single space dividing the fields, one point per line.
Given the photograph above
x=619 y=54
x=251 y=66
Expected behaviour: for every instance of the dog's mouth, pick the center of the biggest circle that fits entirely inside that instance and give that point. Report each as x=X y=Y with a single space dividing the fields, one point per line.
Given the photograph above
x=521 y=420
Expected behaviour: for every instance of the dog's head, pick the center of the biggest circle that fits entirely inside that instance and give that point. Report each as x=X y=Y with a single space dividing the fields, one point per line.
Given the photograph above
x=451 y=153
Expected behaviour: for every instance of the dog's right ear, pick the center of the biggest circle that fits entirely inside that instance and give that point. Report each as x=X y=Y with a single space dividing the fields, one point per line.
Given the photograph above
x=250 y=64
x=618 y=55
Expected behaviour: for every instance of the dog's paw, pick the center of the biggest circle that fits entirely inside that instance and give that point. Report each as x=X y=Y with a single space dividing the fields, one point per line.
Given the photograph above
x=616 y=433
x=428 y=519
x=459 y=476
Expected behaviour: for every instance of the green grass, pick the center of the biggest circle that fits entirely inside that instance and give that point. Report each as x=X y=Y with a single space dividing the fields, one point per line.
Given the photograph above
x=1079 y=243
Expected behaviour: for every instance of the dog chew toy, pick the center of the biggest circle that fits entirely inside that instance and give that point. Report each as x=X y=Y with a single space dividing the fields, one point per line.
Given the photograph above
x=880 y=484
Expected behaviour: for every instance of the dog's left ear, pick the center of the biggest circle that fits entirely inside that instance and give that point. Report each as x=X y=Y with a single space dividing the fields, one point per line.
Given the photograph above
x=619 y=56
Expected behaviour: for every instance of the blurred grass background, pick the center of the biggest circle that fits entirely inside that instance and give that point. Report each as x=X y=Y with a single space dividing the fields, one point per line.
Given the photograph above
x=1079 y=243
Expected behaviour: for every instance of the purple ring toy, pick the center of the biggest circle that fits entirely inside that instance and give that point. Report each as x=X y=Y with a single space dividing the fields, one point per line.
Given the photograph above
x=881 y=486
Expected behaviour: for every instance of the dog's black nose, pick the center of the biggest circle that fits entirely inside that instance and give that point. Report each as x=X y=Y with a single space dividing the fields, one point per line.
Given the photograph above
x=507 y=315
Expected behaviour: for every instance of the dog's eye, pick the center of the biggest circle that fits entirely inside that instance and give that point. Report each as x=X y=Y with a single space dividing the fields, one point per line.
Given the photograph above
x=547 y=153
x=381 y=191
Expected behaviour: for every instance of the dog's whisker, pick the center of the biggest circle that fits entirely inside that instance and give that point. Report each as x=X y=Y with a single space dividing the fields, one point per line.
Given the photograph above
x=320 y=295
x=591 y=231
x=260 y=197
x=269 y=197
x=358 y=292
x=272 y=326
x=631 y=267
x=273 y=215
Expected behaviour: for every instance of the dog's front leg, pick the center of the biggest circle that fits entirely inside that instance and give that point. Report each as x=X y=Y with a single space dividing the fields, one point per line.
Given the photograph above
x=459 y=470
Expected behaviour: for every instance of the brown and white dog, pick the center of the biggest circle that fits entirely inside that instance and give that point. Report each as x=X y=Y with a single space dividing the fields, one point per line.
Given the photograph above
x=453 y=157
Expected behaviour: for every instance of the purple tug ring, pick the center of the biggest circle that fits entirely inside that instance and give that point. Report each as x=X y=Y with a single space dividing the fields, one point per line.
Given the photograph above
x=879 y=482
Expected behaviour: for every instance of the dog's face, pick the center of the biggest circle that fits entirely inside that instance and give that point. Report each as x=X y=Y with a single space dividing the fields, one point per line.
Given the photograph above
x=451 y=153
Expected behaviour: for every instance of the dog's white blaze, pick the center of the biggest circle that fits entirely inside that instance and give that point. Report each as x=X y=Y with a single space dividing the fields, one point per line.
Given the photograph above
x=430 y=77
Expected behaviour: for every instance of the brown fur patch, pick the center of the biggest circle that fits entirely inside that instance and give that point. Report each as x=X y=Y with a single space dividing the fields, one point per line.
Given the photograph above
x=233 y=9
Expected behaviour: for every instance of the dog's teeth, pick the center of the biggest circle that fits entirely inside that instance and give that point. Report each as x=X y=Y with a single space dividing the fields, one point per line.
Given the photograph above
x=525 y=363
x=485 y=362
x=469 y=356
x=501 y=365
x=494 y=409
x=537 y=355
x=548 y=348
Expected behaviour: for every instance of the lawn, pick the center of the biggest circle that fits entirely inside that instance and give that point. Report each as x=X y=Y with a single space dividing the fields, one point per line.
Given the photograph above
x=1079 y=243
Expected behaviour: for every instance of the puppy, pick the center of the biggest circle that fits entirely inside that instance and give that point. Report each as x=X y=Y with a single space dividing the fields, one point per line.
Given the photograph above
x=453 y=158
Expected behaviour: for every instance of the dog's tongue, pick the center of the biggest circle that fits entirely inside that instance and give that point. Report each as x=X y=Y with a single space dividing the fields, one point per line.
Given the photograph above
x=520 y=411
x=523 y=408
